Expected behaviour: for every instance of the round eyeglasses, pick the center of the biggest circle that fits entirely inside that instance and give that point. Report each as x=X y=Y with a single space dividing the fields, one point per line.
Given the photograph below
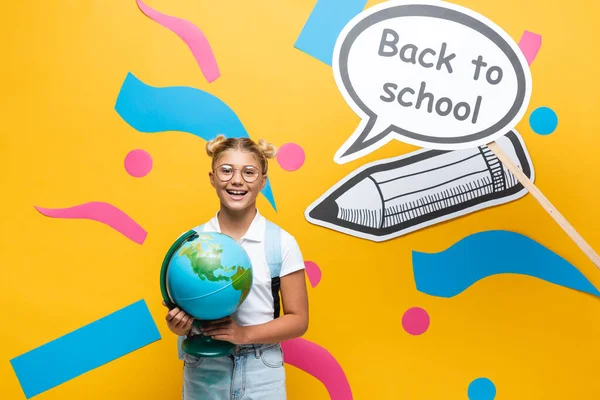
x=225 y=172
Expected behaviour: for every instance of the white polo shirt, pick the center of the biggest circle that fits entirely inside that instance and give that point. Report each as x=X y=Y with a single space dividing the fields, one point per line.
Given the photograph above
x=258 y=306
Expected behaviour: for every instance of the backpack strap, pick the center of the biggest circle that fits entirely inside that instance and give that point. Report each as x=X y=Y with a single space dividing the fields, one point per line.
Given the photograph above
x=180 y=339
x=272 y=245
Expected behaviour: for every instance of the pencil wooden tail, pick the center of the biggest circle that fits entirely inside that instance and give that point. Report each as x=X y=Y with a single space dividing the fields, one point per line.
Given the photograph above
x=545 y=203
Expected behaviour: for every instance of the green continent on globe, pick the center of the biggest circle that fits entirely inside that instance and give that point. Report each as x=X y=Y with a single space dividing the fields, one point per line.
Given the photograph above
x=205 y=263
x=242 y=281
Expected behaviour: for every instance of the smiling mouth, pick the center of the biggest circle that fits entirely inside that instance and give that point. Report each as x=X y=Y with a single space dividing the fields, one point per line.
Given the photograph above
x=237 y=192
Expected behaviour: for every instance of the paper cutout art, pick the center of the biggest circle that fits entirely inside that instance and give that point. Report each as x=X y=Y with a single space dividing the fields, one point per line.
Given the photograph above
x=318 y=362
x=432 y=74
x=105 y=213
x=478 y=256
x=392 y=197
x=543 y=120
x=313 y=272
x=415 y=321
x=530 y=44
x=179 y=108
x=86 y=348
x=138 y=163
x=322 y=28
x=481 y=389
x=191 y=35
x=290 y=156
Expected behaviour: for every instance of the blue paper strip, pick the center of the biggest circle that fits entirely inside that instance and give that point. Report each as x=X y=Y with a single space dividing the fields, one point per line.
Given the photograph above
x=450 y=272
x=179 y=108
x=324 y=25
x=86 y=348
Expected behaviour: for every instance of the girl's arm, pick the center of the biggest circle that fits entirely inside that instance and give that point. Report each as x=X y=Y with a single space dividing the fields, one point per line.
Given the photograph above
x=294 y=321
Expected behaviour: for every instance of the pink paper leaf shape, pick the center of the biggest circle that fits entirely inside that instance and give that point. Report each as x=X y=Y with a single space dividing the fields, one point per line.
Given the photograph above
x=318 y=362
x=530 y=44
x=101 y=212
x=192 y=37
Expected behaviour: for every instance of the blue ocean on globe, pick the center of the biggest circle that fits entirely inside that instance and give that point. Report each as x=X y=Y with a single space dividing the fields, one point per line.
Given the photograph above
x=210 y=276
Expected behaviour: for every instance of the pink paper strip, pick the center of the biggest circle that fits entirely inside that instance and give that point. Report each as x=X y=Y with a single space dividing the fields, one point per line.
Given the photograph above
x=318 y=362
x=530 y=44
x=191 y=35
x=101 y=212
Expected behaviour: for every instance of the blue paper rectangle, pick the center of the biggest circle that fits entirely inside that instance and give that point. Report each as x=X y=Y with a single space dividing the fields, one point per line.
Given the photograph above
x=324 y=25
x=86 y=348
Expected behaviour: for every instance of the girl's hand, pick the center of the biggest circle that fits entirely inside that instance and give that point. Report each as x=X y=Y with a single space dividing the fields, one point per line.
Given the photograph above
x=225 y=329
x=178 y=321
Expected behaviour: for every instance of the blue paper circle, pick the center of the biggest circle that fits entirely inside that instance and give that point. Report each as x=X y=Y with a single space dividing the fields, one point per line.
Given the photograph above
x=482 y=389
x=543 y=120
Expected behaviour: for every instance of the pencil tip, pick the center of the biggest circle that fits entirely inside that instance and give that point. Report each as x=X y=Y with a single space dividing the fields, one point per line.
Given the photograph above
x=324 y=210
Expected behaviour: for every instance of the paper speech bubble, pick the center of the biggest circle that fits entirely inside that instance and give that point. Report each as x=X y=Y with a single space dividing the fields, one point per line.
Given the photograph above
x=431 y=74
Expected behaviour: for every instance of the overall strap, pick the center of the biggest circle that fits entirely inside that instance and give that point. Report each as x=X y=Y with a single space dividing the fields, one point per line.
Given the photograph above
x=180 y=339
x=272 y=244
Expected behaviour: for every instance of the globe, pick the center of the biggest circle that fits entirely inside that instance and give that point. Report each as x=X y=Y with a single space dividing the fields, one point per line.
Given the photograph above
x=208 y=275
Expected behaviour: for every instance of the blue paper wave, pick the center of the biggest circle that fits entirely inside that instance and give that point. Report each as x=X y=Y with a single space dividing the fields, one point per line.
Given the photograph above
x=179 y=108
x=478 y=256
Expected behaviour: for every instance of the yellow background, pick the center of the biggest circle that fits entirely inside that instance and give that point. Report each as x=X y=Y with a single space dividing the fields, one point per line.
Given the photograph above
x=62 y=144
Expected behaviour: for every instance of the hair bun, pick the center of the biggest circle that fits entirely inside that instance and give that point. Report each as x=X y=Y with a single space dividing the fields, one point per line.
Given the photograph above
x=213 y=145
x=268 y=149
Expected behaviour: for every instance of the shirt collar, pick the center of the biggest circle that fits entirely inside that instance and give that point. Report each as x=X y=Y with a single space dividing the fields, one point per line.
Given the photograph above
x=255 y=232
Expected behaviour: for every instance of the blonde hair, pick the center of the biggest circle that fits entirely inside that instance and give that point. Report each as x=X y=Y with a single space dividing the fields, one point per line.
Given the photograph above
x=262 y=150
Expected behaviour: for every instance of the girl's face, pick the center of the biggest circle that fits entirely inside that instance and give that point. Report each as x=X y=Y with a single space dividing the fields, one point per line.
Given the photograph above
x=237 y=178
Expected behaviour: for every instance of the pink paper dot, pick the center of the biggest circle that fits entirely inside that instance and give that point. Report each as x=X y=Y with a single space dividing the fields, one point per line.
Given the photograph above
x=290 y=156
x=415 y=321
x=314 y=273
x=138 y=163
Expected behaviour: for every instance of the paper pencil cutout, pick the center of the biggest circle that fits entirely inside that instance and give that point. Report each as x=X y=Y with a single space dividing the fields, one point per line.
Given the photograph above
x=392 y=197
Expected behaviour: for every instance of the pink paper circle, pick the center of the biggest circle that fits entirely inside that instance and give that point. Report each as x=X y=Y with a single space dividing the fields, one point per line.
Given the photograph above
x=415 y=321
x=314 y=273
x=138 y=163
x=290 y=156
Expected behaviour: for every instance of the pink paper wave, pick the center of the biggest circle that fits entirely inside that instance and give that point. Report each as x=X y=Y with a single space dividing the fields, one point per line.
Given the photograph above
x=530 y=44
x=318 y=362
x=192 y=37
x=101 y=212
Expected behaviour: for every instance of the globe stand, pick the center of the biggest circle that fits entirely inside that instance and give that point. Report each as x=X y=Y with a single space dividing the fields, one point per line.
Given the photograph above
x=205 y=346
x=197 y=345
